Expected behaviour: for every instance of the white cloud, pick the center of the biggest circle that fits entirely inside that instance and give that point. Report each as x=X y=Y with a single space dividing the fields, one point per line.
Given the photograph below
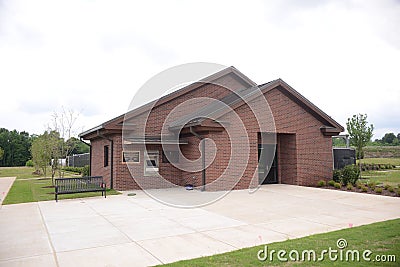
x=93 y=56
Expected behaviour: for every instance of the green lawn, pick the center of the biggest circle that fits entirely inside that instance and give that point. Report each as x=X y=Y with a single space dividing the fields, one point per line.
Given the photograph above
x=392 y=161
x=19 y=172
x=381 y=238
x=31 y=188
x=391 y=177
x=27 y=172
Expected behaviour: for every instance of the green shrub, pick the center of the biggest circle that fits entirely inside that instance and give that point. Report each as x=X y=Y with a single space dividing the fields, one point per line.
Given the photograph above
x=364 y=188
x=73 y=169
x=331 y=182
x=390 y=189
x=349 y=187
x=337 y=175
x=378 y=190
x=386 y=186
x=359 y=184
x=86 y=170
x=321 y=183
x=371 y=185
x=350 y=174
x=29 y=163
x=337 y=185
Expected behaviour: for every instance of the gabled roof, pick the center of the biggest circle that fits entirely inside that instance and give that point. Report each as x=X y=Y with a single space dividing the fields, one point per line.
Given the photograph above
x=238 y=98
x=215 y=109
x=117 y=122
x=300 y=99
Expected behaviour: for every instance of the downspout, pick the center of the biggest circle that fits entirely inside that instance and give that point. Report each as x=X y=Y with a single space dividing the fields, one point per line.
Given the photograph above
x=90 y=154
x=203 y=157
x=112 y=158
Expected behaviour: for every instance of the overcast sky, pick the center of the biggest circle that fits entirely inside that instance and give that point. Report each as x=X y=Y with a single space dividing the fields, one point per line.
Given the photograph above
x=92 y=56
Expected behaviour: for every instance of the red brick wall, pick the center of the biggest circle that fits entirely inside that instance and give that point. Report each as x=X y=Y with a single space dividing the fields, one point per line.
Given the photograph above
x=287 y=159
x=304 y=154
x=97 y=162
x=313 y=149
x=122 y=175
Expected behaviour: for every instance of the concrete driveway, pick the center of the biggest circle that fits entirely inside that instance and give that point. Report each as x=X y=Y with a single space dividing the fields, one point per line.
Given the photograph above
x=138 y=231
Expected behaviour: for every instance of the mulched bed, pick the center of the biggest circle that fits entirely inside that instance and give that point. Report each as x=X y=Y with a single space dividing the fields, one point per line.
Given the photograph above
x=370 y=191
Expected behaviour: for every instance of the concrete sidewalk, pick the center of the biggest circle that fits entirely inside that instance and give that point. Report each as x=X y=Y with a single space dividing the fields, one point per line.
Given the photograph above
x=139 y=231
x=5 y=185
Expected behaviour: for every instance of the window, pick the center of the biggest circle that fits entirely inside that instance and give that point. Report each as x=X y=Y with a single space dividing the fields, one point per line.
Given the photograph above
x=105 y=156
x=151 y=163
x=131 y=156
x=170 y=157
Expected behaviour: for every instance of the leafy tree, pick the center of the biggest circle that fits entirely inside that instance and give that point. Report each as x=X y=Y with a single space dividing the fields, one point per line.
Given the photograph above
x=41 y=155
x=360 y=133
x=1 y=153
x=63 y=123
x=45 y=152
x=396 y=142
x=77 y=146
x=338 y=142
x=388 y=138
x=15 y=146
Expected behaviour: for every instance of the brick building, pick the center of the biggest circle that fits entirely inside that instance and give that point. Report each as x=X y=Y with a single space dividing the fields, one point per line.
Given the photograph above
x=297 y=132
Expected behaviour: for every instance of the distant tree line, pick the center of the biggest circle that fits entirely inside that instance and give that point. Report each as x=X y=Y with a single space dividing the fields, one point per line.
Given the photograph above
x=16 y=147
x=389 y=139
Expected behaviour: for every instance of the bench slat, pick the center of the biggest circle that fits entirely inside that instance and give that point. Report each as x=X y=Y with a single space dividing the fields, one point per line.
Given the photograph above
x=79 y=185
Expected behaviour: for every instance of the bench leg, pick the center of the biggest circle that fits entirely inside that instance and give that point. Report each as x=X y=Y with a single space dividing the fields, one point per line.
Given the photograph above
x=56 y=192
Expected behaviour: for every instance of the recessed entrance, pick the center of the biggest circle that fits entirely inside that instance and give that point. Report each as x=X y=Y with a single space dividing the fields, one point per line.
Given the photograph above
x=267 y=164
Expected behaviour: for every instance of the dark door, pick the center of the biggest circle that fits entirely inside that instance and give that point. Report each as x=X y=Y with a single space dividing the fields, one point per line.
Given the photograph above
x=267 y=164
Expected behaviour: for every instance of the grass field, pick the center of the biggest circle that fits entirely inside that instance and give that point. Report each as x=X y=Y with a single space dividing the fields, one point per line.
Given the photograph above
x=392 y=161
x=391 y=177
x=26 y=173
x=31 y=188
x=19 y=172
x=381 y=238
x=382 y=151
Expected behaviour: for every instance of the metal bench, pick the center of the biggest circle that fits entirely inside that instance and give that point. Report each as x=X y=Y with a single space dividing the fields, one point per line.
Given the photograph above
x=80 y=185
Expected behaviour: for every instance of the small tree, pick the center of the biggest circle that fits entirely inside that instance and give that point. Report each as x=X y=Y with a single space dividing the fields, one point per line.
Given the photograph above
x=45 y=150
x=63 y=123
x=41 y=153
x=360 y=133
x=55 y=142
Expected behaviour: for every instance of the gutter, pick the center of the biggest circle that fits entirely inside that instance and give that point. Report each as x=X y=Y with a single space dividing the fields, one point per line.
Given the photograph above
x=111 y=159
x=90 y=154
x=203 y=157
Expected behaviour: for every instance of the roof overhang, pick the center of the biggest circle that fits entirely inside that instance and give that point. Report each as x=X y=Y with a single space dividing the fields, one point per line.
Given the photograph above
x=154 y=141
x=330 y=131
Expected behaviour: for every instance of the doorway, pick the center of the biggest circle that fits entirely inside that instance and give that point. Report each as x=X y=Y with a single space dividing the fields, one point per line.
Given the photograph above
x=267 y=164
